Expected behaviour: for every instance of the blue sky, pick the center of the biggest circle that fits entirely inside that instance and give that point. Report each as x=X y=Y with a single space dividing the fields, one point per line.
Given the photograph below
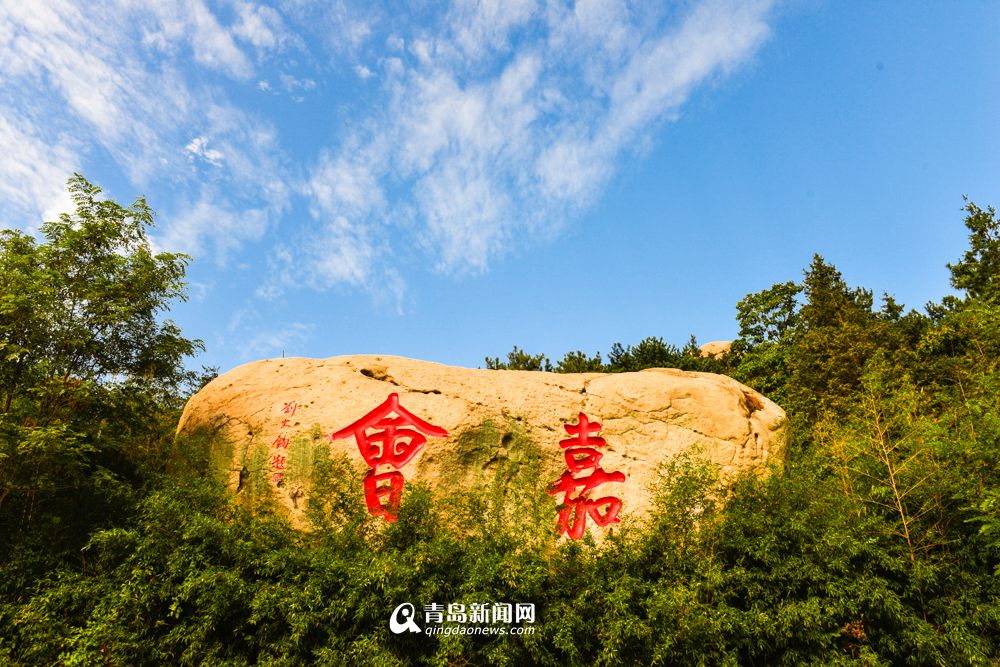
x=443 y=181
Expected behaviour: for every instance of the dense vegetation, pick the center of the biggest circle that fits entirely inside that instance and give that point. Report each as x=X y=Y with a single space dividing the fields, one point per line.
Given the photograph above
x=878 y=542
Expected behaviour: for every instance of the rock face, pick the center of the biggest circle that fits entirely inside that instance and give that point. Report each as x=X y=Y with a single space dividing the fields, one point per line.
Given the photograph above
x=273 y=418
x=716 y=348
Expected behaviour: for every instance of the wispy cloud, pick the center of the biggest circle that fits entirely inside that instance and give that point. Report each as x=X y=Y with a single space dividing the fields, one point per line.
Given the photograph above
x=505 y=119
x=262 y=27
x=286 y=340
x=210 y=221
x=252 y=336
x=32 y=172
x=103 y=80
x=477 y=129
x=198 y=148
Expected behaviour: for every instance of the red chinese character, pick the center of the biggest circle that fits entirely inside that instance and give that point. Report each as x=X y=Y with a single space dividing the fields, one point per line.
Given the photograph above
x=281 y=442
x=395 y=441
x=289 y=408
x=374 y=493
x=582 y=430
x=278 y=462
x=285 y=423
x=277 y=477
x=581 y=454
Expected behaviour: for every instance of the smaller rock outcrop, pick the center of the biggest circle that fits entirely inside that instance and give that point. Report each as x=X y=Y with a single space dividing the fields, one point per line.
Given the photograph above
x=716 y=348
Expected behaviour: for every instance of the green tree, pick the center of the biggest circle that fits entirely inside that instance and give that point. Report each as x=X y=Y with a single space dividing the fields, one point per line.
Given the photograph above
x=650 y=352
x=965 y=339
x=768 y=321
x=769 y=316
x=579 y=362
x=978 y=273
x=838 y=333
x=88 y=370
x=519 y=360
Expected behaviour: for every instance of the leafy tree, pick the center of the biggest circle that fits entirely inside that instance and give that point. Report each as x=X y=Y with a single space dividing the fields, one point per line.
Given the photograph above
x=838 y=333
x=978 y=273
x=770 y=316
x=519 y=360
x=988 y=518
x=88 y=370
x=965 y=338
x=768 y=323
x=890 y=456
x=579 y=362
x=650 y=352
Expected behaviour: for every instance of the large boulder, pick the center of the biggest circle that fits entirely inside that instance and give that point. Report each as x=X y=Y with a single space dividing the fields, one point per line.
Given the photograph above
x=271 y=419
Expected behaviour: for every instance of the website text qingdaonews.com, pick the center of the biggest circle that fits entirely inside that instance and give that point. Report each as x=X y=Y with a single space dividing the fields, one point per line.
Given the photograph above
x=478 y=630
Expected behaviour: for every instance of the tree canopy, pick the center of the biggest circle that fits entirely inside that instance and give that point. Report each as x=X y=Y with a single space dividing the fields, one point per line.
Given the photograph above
x=88 y=369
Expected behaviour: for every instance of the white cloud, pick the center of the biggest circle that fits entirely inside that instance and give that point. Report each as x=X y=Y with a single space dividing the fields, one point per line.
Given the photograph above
x=198 y=291
x=395 y=42
x=338 y=252
x=286 y=340
x=421 y=48
x=465 y=213
x=104 y=80
x=214 y=46
x=33 y=174
x=212 y=219
x=292 y=84
x=341 y=253
x=173 y=27
x=342 y=26
x=513 y=116
x=344 y=186
x=488 y=124
x=260 y=26
x=198 y=148
x=480 y=26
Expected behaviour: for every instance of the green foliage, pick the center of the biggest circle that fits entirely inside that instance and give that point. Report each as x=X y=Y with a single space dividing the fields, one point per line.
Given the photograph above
x=519 y=360
x=770 y=316
x=768 y=322
x=651 y=352
x=90 y=377
x=83 y=305
x=838 y=333
x=579 y=362
x=988 y=518
x=978 y=273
